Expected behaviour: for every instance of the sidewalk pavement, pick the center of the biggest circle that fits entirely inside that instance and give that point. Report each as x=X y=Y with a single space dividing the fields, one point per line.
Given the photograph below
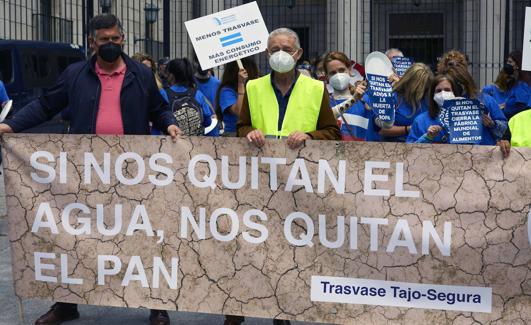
x=89 y=314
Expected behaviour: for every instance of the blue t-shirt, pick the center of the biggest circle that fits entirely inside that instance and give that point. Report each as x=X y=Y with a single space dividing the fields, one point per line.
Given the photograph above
x=3 y=93
x=209 y=88
x=511 y=101
x=199 y=97
x=404 y=116
x=358 y=122
x=227 y=98
x=419 y=129
x=421 y=124
x=496 y=114
x=499 y=96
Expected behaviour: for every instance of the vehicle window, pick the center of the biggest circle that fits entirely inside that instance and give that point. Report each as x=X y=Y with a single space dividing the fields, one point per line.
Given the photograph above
x=42 y=69
x=38 y=69
x=44 y=66
x=74 y=59
x=6 y=66
x=30 y=70
x=62 y=62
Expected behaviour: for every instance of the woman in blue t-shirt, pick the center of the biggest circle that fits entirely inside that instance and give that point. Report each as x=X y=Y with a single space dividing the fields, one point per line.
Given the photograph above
x=346 y=101
x=411 y=99
x=510 y=93
x=427 y=127
x=181 y=79
x=229 y=97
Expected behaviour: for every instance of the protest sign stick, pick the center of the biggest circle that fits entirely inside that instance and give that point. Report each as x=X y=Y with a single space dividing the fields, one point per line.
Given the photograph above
x=20 y=310
x=240 y=64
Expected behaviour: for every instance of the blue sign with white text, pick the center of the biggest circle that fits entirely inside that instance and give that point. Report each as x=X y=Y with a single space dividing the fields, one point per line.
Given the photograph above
x=402 y=64
x=465 y=123
x=382 y=98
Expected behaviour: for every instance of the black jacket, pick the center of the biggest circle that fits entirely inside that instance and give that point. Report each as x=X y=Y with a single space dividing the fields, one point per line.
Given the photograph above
x=77 y=95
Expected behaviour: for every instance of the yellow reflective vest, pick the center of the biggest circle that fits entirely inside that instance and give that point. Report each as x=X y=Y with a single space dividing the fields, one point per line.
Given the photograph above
x=302 y=113
x=520 y=126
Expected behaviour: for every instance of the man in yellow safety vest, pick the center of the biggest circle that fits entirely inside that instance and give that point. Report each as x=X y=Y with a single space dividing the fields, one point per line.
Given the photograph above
x=520 y=126
x=285 y=103
x=519 y=132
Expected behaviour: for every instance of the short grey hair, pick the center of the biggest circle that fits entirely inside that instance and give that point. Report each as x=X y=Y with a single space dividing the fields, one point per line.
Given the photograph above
x=287 y=32
x=393 y=50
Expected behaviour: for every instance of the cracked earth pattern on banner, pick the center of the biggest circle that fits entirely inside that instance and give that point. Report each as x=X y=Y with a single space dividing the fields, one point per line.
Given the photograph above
x=486 y=198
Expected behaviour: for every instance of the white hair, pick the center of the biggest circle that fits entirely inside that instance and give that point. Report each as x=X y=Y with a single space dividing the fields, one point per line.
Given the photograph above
x=391 y=50
x=287 y=32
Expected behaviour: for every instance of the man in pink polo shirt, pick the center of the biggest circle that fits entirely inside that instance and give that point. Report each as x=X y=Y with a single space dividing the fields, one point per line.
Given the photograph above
x=110 y=94
x=109 y=120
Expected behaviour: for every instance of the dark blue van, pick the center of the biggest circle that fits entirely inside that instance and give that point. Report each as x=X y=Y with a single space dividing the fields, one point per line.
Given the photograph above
x=29 y=67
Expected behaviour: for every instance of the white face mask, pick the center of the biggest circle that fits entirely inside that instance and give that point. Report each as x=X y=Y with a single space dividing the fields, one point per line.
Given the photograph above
x=281 y=62
x=441 y=97
x=340 y=81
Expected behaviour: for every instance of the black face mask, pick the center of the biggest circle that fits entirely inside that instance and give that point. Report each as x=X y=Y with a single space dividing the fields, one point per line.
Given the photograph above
x=202 y=76
x=110 y=52
x=508 y=69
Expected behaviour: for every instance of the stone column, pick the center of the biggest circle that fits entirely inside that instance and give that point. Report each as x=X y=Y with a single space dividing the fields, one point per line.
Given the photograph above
x=348 y=24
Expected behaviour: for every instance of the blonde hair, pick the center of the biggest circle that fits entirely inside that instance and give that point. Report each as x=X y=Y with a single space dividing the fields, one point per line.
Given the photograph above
x=415 y=85
x=140 y=58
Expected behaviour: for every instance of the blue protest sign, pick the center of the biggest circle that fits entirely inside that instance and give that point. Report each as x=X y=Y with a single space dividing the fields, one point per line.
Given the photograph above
x=444 y=114
x=401 y=64
x=381 y=96
x=465 y=122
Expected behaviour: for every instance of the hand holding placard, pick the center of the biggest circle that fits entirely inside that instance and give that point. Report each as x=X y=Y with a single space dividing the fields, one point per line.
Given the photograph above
x=465 y=121
x=378 y=69
x=382 y=99
x=228 y=35
x=402 y=64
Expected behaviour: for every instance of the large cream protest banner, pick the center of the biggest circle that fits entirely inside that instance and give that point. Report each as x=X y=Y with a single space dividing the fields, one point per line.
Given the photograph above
x=333 y=232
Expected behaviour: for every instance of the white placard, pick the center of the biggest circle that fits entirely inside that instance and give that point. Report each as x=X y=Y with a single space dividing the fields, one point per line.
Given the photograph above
x=526 y=57
x=6 y=107
x=401 y=294
x=228 y=35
